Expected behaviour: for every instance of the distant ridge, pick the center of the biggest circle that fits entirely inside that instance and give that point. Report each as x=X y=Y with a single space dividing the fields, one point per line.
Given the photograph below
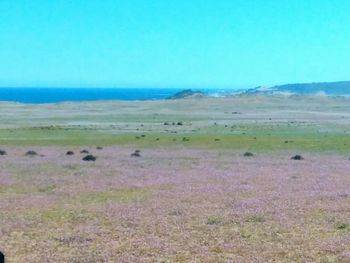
x=322 y=88
x=185 y=94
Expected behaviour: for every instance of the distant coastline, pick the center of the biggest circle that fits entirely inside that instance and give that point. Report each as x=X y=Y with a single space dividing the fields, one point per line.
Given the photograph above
x=36 y=95
x=56 y=95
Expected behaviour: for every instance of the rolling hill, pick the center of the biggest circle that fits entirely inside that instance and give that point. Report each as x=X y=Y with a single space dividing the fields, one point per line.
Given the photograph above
x=322 y=88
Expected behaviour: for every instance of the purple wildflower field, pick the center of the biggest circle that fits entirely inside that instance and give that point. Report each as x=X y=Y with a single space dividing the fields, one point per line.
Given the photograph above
x=178 y=204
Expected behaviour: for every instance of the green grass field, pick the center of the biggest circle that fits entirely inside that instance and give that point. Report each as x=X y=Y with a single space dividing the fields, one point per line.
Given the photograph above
x=246 y=137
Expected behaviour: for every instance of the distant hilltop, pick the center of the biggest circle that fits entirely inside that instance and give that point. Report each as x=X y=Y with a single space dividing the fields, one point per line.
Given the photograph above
x=323 y=88
x=340 y=88
x=186 y=94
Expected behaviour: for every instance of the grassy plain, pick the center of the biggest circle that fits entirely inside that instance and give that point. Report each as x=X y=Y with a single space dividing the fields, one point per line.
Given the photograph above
x=192 y=196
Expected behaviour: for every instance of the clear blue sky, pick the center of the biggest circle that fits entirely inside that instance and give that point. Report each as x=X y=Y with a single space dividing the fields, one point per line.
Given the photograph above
x=167 y=43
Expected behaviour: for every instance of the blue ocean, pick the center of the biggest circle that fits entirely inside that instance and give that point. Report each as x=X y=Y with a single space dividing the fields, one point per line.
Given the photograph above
x=54 y=95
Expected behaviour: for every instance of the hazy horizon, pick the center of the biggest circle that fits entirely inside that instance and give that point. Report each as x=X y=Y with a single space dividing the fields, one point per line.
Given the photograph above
x=172 y=87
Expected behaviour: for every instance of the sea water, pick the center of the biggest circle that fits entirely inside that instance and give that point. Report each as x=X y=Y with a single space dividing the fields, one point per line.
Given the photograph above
x=54 y=95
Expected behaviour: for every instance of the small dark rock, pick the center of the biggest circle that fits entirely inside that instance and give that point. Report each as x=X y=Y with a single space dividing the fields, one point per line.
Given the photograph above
x=297 y=157
x=2 y=152
x=31 y=153
x=166 y=123
x=136 y=154
x=89 y=158
x=84 y=151
x=99 y=148
x=69 y=153
x=179 y=123
x=248 y=154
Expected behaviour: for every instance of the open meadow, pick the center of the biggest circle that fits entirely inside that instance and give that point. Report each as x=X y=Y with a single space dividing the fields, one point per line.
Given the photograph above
x=190 y=180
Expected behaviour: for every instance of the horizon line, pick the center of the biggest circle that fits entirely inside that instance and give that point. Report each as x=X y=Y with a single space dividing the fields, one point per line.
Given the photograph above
x=180 y=87
x=119 y=87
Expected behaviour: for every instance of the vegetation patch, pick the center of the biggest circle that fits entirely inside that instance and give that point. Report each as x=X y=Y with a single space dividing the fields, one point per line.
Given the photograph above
x=46 y=188
x=214 y=220
x=72 y=167
x=62 y=215
x=342 y=226
x=25 y=189
x=256 y=219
